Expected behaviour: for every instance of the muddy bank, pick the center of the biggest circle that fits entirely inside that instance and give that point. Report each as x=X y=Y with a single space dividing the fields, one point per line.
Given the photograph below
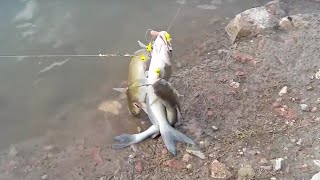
x=236 y=108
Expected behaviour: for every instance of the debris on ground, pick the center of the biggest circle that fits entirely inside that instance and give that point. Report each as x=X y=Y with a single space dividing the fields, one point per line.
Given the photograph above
x=219 y=170
x=283 y=91
x=246 y=173
x=195 y=151
x=304 y=107
x=277 y=164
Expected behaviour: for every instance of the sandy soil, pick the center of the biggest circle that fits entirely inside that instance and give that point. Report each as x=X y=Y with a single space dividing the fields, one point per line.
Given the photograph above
x=233 y=110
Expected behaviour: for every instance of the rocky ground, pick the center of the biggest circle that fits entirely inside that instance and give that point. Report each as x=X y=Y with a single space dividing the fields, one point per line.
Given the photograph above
x=252 y=106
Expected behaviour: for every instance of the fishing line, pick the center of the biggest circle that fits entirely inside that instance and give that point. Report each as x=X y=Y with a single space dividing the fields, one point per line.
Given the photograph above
x=87 y=55
x=173 y=19
x=65 y=55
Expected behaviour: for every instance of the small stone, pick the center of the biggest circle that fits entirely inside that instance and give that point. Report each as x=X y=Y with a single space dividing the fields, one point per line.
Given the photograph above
x=318 y=101
x=304 y=107
x=311 y=77
x=235 y=85
x=309 y=88
x=267 y=168
x=293 y=140
x=246 y=173
x=286 y=149
x=299 y=142
x=314 y=109
x=277 y=164
x=44 y=177
x=48 y=148
x=138 y=167
x=316 y=176
x=219 y=170
x=189 y=166
x=273 y=178
x=186 y=157
x=276 y=104
x=317 y=119
x=103 y=178
x=195 y=151
x=263 y=161
x=283 y=91
x=174 y=164
x=134 y=148
x=139 y=128
x=164 y=151
x=131 y=156
x=210 y=113
x=252 y=152
x=215 y=128
x=317 y=75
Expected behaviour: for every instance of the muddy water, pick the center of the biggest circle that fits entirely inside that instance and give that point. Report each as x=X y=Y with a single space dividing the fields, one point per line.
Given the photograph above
x=43 y=96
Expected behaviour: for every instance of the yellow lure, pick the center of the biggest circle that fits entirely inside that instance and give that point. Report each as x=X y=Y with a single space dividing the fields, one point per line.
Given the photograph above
x=168 y=37
x=157 y=71
x=143 y=58
x=149 y=47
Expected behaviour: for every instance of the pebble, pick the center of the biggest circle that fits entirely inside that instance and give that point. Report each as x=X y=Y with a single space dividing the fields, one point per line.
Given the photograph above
x=273 y=178
x=195 y=151
x=314 y=109
x=283 y=91
x=215 y=128
x=235 y=85
x=44 y=177
x=304 y=107
x=174 y=164
x=268 y=168
x=138 y=167
x=309 y=88
x=285 y=148
x=131 y=156
x=293 y=140
x=277 y=164
x=318 y=101
x=263 y=161
x=246 y=173
x=219 y=170
x=186 y=157
x=189 y=166
x=299 y=142
x=164 y=151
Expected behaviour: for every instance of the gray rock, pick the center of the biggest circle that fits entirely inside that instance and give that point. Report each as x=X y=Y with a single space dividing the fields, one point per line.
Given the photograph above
x=304 y=107
x=246 y=173
x=277 y=164
x=44 y=177
x=316 y=176
x=255 y=20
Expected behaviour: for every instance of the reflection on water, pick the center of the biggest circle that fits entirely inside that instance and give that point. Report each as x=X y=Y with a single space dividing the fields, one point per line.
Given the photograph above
x=37 y=94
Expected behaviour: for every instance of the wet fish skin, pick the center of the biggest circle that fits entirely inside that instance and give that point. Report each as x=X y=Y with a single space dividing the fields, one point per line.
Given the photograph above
x=135 y=93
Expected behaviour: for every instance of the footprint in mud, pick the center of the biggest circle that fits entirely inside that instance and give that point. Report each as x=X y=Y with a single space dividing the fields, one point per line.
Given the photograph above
x=110 y=107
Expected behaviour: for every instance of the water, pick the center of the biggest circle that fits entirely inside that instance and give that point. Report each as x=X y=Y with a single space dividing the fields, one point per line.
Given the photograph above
x=41 y=94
